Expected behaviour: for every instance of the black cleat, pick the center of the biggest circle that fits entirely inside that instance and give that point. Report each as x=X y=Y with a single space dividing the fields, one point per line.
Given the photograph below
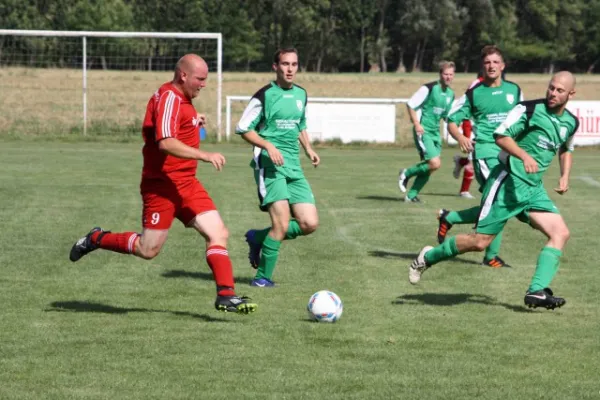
x=495 y=262
x=235 y=304
x=84 y=245
x=443 y=225
x=544 y=298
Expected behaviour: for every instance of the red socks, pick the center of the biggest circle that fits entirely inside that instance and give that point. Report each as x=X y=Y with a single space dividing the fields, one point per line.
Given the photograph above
x=218 y=260
x=117 y=242
x=467 y=179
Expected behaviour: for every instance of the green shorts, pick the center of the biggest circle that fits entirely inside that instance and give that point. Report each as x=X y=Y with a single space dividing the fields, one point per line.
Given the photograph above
x=429 y=146
x=282 y=183
x=483 y=168
x=506 y=196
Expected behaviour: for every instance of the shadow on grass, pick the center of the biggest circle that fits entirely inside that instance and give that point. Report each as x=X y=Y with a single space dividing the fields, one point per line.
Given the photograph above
x=453 y=299
x=85 y=306
x=382 y=198
x=412 y=256
x=205 y=276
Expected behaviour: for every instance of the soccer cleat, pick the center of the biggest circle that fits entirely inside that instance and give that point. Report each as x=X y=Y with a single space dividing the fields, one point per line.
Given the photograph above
x=402 y=180
x=235 y=304
x=495 y=262
x=418 y=266
x=262 y=282
x=543 y=298
x=443 y=225
x=457 y=166
x=253 y=248
x=415 y=199
x=84 y=245
x=466 y=195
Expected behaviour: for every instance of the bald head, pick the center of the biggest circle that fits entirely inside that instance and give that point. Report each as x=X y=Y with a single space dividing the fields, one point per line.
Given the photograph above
x=560 y=90
x=191 y=72
x=189 y=63
x=565 y=78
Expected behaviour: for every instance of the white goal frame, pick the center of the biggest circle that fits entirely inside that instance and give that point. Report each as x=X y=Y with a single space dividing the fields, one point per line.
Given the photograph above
x=332 y=100
x=158 y=35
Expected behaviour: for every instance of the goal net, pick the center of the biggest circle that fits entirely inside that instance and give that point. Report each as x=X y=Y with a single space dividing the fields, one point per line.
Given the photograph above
x=93 y=83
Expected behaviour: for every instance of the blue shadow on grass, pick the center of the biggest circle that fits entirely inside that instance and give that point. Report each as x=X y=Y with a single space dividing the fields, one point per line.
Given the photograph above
x=454 y=299
x=412 y=256
x=86 y=306
x=205 y=276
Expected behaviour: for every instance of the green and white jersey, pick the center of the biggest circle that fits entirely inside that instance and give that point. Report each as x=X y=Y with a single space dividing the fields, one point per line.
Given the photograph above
x=540 y=133
x=487 y=107
x=432 y=103
x=278 y=115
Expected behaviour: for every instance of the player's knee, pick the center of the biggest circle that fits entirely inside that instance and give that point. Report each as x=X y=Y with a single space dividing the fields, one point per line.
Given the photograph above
x=562 y=235
x=279 y=229
x=218 y=236
x=309 y=226
x=482 y=242
x=148 y=253
x=435 y=164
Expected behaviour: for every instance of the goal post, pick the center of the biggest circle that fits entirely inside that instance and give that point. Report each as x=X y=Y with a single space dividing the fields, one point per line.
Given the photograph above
x=337 y=118
x=118 y=71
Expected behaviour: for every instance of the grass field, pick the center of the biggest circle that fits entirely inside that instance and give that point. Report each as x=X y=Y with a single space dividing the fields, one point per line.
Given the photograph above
x=116 y=327
x=49 y=101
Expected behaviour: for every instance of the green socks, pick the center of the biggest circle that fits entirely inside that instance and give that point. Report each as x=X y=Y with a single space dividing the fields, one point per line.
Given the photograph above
x=547 y=266
x=494 y=248
x=418 y=184
x=468 y=216
x=417 y=169
x=268 y=258
x=292 y=233
x=442 y=252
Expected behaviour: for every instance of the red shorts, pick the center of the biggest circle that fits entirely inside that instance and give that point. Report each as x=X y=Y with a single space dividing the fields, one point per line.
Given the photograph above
x=165 y=201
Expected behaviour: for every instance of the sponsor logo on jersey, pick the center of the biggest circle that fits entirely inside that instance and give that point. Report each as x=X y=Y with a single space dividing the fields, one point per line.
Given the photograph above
x=510 y=98
x=299 y=104
x=563 y=132
x=497 y=92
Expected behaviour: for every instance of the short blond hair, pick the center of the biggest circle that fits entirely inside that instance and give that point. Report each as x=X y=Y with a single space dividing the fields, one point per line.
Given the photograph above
x=444 y=65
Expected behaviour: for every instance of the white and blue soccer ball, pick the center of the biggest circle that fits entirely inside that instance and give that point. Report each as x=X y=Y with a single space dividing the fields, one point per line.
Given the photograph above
x=325 y=306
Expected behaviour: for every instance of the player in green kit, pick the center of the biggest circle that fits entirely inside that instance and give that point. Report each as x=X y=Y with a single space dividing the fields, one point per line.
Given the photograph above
x=426 y=108
x=532 y=133
x=487 y=104
x=274 y=122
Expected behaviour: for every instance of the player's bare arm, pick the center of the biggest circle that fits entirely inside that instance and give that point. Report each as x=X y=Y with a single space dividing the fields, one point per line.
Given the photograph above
x=509 y=145
x=179 y=149
x=565 y=159
x=310 y=153
x=254 y=139
x=463 y=142
x=414 y=118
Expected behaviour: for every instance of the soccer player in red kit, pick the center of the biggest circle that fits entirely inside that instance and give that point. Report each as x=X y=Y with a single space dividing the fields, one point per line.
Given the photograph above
x=169 y=187
x=466 y=161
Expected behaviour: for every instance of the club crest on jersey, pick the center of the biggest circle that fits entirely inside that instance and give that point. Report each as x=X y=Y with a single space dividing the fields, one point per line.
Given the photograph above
x=448 y=100
x=563 y=132
x=510 y=98
x=299 y=104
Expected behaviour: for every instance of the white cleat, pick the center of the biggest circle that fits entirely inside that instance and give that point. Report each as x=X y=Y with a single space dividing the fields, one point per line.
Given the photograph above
x=418 y=266
x=402 y=180
x=466 y=195
x=457 y=167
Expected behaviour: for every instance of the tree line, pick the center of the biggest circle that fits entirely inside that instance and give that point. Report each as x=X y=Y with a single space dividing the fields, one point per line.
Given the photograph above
x=338 y=35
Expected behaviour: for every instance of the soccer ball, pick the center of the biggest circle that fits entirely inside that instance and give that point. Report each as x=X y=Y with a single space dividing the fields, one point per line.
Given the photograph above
x=325 y=306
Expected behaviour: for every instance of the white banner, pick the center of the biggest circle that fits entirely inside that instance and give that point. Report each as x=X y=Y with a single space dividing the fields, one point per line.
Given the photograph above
x=351 y=122
x=588 y=114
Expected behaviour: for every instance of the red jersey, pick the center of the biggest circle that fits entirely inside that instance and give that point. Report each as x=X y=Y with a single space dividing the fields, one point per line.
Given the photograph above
x=169 y=114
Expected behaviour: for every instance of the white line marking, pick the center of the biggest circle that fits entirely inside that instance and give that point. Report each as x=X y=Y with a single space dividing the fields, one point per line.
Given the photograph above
x=589 y=180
